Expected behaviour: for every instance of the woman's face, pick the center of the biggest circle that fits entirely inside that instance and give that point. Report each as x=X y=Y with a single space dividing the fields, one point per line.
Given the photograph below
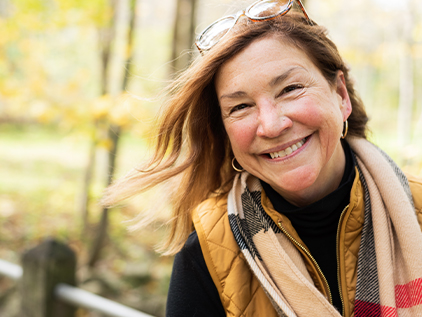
x=283 y=119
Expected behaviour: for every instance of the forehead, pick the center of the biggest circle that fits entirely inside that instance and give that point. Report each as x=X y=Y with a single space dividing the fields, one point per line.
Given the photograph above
x=270 y=55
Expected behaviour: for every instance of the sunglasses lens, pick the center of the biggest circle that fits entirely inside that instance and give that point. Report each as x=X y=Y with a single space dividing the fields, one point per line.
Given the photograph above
x=215 y=32
x=267 y=8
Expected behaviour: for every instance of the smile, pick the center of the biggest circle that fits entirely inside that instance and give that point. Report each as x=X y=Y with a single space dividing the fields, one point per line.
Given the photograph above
x=289 y=150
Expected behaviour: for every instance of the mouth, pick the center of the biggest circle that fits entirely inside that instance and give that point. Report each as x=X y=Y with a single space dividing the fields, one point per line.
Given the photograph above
x=289 y=150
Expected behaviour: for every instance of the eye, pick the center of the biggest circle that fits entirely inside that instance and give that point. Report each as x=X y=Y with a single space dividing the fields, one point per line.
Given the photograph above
x=238 y=107
x=291 y=88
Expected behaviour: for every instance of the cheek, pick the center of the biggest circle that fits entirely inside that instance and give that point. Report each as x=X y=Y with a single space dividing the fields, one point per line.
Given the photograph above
x=241 y=136
x=312 y=116
x=321 y=114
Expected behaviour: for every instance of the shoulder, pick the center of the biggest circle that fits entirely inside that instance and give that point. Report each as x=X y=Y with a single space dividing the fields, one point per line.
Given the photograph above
x=192 y=247
x=415 y=184
x=217 y=202
x=190 y=258
x=209 y=213
x=211 y=220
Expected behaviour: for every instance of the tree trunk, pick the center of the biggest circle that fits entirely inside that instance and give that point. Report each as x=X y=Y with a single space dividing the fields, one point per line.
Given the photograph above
x=183 y=33
x=130 y=42
x=114 y=133
x=404 y=120
x=86 y=186
x=106 y=36
x=406 y=98
x=114 y=137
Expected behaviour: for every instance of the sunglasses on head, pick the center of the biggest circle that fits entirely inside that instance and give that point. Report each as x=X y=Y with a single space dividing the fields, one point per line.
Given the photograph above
x=261 y=10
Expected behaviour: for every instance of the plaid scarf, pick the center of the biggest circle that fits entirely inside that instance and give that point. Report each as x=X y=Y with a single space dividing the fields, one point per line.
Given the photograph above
x=389 y=271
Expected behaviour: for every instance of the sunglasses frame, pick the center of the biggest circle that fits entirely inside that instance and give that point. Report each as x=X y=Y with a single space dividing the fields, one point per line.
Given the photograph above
x=245 y=12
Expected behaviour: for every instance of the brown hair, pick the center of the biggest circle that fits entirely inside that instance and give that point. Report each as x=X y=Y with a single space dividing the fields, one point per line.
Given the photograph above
x=191 y=141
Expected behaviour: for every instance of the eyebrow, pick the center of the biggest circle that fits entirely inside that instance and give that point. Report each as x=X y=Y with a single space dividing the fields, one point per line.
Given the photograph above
x=273 y=82
x=236 y=94
x=283 y=76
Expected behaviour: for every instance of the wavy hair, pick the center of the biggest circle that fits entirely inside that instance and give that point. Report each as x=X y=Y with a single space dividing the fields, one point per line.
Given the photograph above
x=192 y=143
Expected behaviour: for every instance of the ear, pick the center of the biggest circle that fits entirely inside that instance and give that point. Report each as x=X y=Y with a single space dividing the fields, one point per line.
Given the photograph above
x=343 y=95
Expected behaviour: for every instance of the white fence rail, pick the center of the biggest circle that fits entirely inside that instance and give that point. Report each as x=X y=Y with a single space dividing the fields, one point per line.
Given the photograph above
x=80 y=298
x=77 y=297
x=10 y=270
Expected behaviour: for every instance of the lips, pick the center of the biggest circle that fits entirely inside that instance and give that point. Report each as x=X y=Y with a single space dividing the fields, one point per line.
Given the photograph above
x=287 y=151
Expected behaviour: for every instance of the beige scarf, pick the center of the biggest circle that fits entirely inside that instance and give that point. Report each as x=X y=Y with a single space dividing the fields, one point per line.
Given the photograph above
x=389 y=281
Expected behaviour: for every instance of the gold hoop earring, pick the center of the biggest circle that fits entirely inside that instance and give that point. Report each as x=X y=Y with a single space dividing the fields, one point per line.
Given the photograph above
x=235 y=168
x=345 y=129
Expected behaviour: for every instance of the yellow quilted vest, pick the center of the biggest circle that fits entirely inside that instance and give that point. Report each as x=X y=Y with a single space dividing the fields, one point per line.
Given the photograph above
x=239 y=290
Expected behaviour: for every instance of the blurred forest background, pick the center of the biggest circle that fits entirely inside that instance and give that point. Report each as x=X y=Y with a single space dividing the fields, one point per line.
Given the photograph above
x=80 y=85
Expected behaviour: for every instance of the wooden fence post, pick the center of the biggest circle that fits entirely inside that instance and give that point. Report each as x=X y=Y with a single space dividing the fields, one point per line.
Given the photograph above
x=44 y=267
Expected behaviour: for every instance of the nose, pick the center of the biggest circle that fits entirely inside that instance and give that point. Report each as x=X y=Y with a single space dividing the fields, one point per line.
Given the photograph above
x=272 y=123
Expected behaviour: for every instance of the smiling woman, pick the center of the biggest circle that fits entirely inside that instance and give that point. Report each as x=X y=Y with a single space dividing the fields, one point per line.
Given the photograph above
x=283 y=208
x=277 y=109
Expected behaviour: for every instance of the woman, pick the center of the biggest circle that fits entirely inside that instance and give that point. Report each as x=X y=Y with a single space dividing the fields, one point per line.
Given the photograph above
x=290 y=216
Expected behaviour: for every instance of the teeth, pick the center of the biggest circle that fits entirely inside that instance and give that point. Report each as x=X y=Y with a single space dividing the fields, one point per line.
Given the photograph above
x=288 y=151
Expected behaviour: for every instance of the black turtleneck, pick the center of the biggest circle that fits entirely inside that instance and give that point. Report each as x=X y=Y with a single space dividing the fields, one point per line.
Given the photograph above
x=316 y=224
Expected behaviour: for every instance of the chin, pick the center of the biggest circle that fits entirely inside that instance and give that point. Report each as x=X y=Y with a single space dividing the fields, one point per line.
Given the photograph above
x=295 y=181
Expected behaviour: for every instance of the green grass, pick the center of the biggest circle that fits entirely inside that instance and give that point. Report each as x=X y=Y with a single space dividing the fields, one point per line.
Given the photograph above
x=41 y=176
